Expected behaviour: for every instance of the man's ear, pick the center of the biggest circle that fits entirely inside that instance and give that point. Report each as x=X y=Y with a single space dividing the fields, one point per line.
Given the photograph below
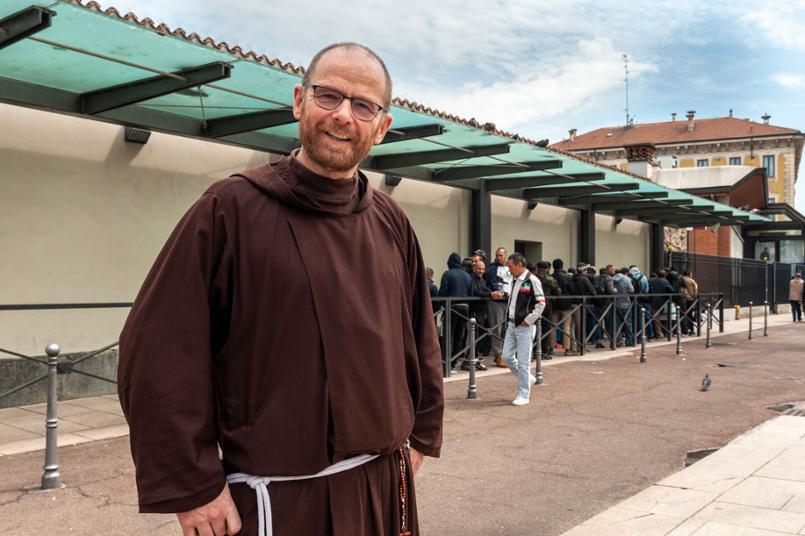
x=298 y=97
x=384 y=127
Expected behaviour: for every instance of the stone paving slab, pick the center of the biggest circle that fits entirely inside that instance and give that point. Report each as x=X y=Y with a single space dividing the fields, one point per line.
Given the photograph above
x=732 y=492
x=82 y=420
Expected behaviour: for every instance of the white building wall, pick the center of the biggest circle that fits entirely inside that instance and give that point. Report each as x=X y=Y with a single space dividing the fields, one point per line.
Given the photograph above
x=83 y=215
x=439 y=214
x=622 y=245
x=555 y=227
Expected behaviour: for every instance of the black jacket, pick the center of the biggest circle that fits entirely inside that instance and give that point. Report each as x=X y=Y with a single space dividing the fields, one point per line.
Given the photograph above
x=566 y=286
x=584 y=286
x=456 y=282
x=479 y=289
x=530 y=299
x=659 y=285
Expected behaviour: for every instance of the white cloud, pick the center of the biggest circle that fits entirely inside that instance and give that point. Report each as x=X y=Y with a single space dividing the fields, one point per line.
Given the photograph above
x=792 y=81
x=777 y=22
x=527 y=102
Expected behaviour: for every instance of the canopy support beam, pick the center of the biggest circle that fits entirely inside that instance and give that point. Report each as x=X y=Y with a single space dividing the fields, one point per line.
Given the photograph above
x=469 y=172
x=24 y=24
x=111 y=98
x=402 y=160
x=236 y=124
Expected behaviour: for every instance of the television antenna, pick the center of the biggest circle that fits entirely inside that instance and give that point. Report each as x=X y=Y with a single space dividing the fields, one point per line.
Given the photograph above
x=626 y=83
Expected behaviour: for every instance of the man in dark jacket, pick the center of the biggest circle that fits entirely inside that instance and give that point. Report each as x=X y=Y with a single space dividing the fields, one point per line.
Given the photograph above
x=478 y=309
x=562 y=307
x=550 y=287
x=659 y=284
x=456 y=283
x=584 y=287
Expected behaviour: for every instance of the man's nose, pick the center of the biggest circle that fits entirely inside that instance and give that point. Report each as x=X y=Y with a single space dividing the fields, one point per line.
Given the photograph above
x=343 y=113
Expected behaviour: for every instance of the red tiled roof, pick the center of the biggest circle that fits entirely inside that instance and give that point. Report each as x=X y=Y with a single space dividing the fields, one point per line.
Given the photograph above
x=718 y=128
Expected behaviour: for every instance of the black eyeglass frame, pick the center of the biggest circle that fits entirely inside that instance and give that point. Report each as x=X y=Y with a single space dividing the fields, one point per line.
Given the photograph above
x=351 y=101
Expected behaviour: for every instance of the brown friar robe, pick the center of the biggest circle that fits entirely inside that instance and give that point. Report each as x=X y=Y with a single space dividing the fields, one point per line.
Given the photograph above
x=287 y=319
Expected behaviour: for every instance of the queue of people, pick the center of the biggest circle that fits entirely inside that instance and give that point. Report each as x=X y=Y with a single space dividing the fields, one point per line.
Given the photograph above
x=562 y=319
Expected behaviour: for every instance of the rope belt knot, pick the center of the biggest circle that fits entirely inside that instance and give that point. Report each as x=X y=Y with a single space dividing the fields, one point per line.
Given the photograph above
x=260 y=486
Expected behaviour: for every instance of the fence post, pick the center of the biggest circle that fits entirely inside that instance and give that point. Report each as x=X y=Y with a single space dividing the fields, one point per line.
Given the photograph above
x=678 y=331
x=472 y=388
x=765 y=318
x=750 y=320
x=721 y=315
x=583 y=320
x=643 y=335
x=448 y=337
x=538 y=374
x=615 y=335
x=50 y=478
x=668 y=322
x=698 y=316
x=708 y=343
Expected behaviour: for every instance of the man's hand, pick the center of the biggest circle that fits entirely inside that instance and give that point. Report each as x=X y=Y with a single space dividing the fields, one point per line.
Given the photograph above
x=416 y=459
x=217 y=518
x=496 y=295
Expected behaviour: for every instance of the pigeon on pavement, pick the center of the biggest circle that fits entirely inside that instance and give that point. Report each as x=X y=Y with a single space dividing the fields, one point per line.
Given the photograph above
x=706 y=382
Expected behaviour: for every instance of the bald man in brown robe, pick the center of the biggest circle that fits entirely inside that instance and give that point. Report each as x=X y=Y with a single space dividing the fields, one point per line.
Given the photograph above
x=287 y=320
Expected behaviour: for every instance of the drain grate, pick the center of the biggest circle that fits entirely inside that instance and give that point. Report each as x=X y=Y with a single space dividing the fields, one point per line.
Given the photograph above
x=694 y=456
x=796 y=409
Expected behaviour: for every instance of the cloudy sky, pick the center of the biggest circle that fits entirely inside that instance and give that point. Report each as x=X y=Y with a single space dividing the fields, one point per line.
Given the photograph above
x=540 y=68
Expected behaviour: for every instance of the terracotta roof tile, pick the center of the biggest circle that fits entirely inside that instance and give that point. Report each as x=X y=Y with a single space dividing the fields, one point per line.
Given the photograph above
x=718 y=128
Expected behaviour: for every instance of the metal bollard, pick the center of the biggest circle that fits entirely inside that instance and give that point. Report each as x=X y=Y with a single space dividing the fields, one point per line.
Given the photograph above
x=765 y=318
x=678 y=331
x=472 y=388
x=538 y=374
x=750 y=320
x=50 y=478
x=643 y=335
x=708 y=343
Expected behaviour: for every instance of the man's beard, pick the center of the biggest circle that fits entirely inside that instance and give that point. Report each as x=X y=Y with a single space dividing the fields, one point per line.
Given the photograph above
x=332 y=158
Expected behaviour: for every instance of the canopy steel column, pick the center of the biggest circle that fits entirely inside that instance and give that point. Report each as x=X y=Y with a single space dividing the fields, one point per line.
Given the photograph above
x=656 y=247
x=587 y=236
x=481 y=219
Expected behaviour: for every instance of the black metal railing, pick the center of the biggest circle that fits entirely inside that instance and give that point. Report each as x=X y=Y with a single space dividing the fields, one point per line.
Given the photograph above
x=587 y=319
x=740 y=280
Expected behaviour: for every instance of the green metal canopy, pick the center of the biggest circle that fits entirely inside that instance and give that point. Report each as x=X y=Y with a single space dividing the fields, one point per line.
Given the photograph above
x=69 y=57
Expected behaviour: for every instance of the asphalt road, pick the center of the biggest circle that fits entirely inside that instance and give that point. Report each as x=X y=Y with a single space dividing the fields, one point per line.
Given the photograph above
x=594 y=434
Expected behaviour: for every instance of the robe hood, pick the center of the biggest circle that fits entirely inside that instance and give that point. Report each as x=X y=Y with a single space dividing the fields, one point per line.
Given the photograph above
x=289 y=182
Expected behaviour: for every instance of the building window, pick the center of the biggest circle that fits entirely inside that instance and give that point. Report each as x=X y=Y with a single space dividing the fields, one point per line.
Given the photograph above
x=768 y=163
x=735 y=160
x=702 y=163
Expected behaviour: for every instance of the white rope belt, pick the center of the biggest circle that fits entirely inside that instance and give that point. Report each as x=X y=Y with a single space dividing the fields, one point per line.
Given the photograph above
x=260 y=485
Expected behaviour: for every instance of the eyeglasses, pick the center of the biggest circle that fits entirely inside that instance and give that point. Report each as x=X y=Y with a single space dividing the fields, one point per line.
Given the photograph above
x=330 y=99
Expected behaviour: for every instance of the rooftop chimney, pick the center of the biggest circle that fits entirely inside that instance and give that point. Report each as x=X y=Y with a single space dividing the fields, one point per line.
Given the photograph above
x=641 y=159
x=572 y=132
x=766 y=118
x=730 y=112
x=673 y=116
x=690 y=115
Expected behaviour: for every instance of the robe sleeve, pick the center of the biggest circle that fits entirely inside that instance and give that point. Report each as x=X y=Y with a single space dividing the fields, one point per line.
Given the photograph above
x=426 y=436
x=165 y=378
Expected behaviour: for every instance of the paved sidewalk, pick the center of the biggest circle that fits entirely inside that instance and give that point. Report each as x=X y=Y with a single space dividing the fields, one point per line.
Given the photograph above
x=754 y=486
x=22 y=429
